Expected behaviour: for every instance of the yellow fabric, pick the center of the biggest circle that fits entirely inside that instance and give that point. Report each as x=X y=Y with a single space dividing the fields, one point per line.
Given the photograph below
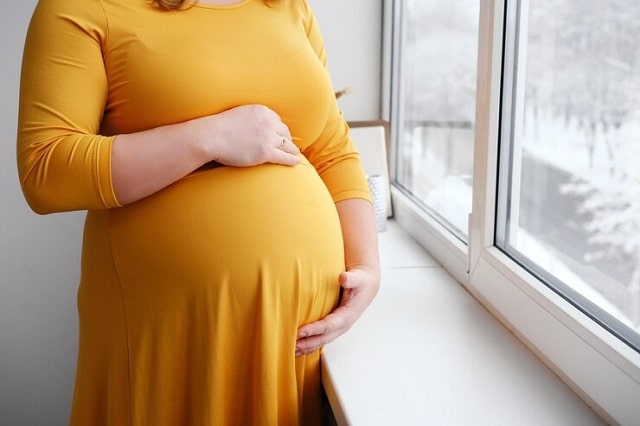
x=190 y=299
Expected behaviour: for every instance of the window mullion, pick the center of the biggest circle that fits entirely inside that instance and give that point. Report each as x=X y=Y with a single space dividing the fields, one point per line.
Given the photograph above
x=482 y=217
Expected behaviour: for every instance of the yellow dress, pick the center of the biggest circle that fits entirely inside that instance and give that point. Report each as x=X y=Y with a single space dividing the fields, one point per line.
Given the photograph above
x=190 y=299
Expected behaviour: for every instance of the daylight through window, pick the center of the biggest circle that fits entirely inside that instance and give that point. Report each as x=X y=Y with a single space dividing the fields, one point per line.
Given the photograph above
x=436 y=106
x=569 y=206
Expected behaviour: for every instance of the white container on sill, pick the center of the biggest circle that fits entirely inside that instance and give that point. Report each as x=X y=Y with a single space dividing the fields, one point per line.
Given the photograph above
x=377 y=187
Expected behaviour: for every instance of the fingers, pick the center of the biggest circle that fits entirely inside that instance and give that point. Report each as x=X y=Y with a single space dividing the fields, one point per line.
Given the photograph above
x=251 y=135
x=280 y=128
x=285 y=144
x=312 y=337
x=360 y=286
x=284 y=158
x=285 y=152
x=310 y=344
x=353 y=278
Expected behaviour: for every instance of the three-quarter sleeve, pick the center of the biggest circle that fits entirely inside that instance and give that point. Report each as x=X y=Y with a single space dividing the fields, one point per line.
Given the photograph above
x=333 y=154
x=63 y=162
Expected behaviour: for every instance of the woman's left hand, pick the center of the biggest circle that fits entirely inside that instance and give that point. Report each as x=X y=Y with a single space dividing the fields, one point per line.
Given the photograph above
x=360 y=286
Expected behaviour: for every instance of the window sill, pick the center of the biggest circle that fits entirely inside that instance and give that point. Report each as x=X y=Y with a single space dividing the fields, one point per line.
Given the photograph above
x=426 y=352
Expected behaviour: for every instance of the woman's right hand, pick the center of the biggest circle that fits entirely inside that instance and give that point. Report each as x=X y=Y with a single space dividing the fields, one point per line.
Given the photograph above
x=247 y=135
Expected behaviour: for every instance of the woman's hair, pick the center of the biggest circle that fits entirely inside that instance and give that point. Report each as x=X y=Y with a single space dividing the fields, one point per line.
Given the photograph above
x=179 y=4
x=169 y=4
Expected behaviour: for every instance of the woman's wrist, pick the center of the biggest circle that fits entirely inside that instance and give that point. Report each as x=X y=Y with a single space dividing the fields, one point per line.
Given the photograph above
x=204 y=136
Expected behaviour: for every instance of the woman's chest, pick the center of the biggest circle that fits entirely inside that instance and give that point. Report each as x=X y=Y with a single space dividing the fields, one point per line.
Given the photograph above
x=174 y=66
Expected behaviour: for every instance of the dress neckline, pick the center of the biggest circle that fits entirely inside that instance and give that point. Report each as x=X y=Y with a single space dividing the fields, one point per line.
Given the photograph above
x=221 y=6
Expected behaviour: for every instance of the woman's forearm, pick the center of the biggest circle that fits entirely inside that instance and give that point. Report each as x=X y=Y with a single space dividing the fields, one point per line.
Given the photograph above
x=358 y=222
x=145 y=162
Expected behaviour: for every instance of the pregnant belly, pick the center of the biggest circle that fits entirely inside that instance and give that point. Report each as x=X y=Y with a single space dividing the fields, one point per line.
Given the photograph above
x=243 y=228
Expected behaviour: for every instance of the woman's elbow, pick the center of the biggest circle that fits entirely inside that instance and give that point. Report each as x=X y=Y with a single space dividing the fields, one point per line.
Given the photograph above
x=39 y=197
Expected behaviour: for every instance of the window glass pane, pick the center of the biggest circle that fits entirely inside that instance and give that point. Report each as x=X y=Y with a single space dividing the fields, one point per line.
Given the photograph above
x=435 y=111
x=570 y=153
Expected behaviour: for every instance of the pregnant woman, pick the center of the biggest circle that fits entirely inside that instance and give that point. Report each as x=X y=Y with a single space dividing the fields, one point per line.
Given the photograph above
x=229 y=232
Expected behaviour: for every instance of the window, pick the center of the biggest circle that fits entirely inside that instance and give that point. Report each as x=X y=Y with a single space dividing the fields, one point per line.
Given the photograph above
x=569 y=202
x=436 y=106
x=552 y=129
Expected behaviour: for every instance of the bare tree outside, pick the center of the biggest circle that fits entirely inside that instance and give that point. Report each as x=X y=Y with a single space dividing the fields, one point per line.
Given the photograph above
x=581 y=140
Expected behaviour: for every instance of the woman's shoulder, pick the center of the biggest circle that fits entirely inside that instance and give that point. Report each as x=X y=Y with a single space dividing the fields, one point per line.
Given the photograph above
x=64 y=5
x=300 y=8
x=92 y=16
x=70 y=9
x=91 y=7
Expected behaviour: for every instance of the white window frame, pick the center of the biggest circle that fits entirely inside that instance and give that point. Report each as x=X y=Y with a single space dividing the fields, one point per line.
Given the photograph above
x=601 y=369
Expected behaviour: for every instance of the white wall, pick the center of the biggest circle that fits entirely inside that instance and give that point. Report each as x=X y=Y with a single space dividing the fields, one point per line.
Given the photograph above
x=352 y=32
x=39 y=258
x=39 y=255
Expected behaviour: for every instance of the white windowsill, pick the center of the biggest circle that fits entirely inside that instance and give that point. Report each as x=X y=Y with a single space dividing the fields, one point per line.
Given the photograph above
x=426 y=352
